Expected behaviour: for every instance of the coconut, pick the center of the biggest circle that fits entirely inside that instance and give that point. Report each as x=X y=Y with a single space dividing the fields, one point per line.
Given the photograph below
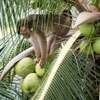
x=24 y=67
x=96 y=45
x=87 y=29
x=39 y=70
x=86 y=47
x=30 y=83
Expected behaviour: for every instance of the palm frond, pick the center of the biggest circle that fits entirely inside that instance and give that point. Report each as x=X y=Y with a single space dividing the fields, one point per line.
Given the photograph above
x=51 y=6
x=72 y=81
x=10 y=47
x=10 y=90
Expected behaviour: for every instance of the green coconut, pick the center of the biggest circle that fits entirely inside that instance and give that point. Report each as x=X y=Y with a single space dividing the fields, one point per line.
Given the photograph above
x=87 y=29
x=24 y=67
x=96 y=46
x=39 y=70
x=86 y=47
x=30 y=83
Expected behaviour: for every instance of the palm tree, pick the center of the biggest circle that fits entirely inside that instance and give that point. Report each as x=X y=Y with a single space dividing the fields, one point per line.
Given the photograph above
x=70 y=74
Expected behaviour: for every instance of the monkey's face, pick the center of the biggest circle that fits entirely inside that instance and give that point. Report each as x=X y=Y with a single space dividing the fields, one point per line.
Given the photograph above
x=25 y=32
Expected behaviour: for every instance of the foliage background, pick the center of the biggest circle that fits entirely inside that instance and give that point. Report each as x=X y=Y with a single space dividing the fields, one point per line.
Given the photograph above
x=77 y=76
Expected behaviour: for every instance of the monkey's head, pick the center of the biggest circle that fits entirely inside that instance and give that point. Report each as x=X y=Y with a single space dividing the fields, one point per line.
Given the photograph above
x=24 y=27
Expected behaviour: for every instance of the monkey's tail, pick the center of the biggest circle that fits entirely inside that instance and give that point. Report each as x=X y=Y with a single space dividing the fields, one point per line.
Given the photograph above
x=16 y=59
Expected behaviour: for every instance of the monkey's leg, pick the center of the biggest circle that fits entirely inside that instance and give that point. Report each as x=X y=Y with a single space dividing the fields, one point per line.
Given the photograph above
x=43 y=46
x=51 y=41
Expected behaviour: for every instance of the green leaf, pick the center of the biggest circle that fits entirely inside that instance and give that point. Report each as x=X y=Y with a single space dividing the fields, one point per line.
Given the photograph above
x=69 y=81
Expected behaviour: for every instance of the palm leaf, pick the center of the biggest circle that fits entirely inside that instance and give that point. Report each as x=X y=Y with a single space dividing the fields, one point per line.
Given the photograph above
x=11 y=45
x=5 y=91
x=72 y=80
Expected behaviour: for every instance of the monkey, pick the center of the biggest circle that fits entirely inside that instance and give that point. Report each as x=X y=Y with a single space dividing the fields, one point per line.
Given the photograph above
x=43 y=38
x=37 y=39
x=43 y=30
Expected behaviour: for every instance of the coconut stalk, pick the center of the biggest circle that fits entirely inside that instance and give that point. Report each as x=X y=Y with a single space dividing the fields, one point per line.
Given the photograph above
x=86 y=17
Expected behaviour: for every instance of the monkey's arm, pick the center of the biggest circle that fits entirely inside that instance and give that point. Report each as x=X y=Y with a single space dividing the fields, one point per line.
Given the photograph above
x=16 y=59
x=41 y=38
x=33 y=40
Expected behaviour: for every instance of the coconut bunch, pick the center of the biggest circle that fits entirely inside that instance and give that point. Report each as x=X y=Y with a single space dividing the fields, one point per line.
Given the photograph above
x=31 y=75
x=91 y=42
x=88 y=23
